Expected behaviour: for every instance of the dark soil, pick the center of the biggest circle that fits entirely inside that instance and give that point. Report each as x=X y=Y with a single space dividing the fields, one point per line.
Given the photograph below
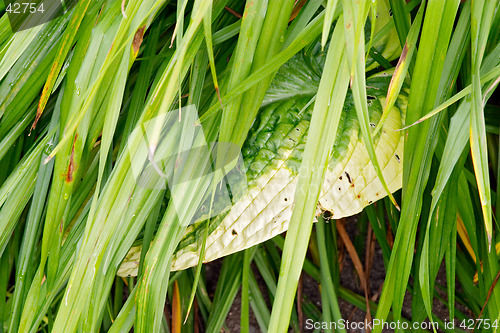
x=310 y=288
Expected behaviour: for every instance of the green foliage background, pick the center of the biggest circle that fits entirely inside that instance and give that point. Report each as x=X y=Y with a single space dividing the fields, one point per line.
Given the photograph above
x=72 y=90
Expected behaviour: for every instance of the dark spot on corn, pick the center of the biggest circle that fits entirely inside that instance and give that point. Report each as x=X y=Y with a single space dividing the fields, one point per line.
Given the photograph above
x=327 y=215
x=348 y=177
x=234 y=232
x=138 y=37
x=71 y=165
x=398 y=158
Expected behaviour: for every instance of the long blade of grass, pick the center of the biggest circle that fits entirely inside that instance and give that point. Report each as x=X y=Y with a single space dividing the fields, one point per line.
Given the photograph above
x=481 y=19
x=227 y=288
x=304 y=38
x=492 y=74
x=326 y=276
x=355 y=18
x=401 y=19
x=271 y=39
x=123 y=37
x=78 y=269
x=439 y=231
x=418 y=149
x=401 y=69
x=442 y=213
x=245 y=292
x=251 y=25
x=149 y=303
x=324 y=122
x=66 y=42
x=207 y=27
x=16 y=48
x=258 y=304
x=331 y=6
x=33 y=226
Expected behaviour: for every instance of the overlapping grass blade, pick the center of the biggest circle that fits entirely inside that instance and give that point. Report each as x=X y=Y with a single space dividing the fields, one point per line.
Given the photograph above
x=439 y=232
x=245 y=291
x=33 y=226
x=123 y=35
x=493 y=73
x=82 y=295
x=16 y=48
x=304 y=38
x=401 y=69
x=401 y=19
x=159 y=256
x=258 y=304
x=331 y=6
x=271 y=39
x=66 y=43
x=15 y=192
x=328 y=292
x=326 y=115
x=419 y=148
x=481 y=19
x=355 y=19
